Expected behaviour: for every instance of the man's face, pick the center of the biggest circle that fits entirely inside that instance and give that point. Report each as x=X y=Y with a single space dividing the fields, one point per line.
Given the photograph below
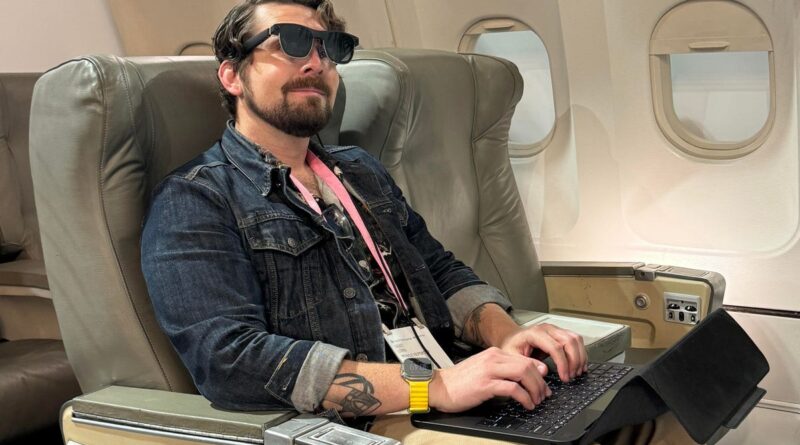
x=293 y=95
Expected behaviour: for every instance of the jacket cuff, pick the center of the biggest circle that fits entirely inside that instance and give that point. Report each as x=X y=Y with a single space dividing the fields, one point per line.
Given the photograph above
x=466 y=300
x=316 y=376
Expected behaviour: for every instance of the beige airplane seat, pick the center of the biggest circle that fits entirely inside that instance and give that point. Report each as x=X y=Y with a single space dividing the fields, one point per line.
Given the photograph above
x=439 y=123
x=35 y=376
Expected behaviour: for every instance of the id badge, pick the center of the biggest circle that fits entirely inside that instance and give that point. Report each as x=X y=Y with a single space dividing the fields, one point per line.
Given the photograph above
x=405 y=345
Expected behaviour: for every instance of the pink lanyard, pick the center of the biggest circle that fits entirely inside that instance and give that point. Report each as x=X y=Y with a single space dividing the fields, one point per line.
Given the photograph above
x=338 y=189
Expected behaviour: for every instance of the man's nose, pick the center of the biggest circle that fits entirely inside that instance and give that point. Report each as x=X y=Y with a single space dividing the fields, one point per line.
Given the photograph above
x=316 y=58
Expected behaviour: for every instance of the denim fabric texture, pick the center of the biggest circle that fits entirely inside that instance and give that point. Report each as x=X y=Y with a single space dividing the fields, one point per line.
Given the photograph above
x=250 y=286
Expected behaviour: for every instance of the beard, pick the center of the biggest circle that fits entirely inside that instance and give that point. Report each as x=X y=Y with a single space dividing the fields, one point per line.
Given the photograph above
x=303 y=119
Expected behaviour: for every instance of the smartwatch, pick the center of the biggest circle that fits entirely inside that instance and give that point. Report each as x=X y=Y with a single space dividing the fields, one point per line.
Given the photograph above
x=418 y=373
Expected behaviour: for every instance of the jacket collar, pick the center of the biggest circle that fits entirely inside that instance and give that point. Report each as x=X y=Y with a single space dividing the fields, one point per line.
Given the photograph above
x=260 y=166
x=248 y=157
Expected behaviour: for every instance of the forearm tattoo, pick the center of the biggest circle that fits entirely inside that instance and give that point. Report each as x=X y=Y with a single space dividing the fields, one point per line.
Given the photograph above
x=472 y=331
x=354 y=395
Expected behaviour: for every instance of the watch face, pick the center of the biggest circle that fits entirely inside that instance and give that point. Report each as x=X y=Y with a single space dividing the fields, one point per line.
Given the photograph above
x=417 y=368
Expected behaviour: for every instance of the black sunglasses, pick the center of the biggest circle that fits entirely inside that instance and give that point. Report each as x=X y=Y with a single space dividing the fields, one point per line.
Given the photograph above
x=297 y=41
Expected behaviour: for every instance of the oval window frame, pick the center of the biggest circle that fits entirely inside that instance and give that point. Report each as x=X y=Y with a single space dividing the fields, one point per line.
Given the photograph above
x=737 y=28
x=505 y=24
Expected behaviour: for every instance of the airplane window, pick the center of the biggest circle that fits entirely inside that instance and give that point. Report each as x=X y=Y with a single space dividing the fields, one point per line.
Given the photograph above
x=534 y=118
x=721 y=97
x=712 y=74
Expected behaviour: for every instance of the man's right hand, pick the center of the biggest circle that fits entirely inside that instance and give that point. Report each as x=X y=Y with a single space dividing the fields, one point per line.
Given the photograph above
x=491 y=373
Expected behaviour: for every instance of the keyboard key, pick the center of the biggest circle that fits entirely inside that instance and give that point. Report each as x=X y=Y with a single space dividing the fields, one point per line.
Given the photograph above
x=508 y=423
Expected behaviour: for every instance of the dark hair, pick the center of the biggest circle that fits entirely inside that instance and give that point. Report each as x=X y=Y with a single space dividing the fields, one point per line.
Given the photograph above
x=236 y=28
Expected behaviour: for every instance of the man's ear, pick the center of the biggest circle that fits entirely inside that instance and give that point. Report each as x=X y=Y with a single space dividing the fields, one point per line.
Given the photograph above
x=229 y=78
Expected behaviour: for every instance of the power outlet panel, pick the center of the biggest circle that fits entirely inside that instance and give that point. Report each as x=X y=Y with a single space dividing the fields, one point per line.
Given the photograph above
x=681 y=308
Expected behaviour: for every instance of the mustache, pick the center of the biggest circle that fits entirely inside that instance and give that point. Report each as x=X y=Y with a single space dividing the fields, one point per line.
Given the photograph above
x=306 y=82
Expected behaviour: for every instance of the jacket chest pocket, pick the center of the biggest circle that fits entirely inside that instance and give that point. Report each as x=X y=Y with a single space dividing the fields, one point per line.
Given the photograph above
x=286 y=252
x=282 y=232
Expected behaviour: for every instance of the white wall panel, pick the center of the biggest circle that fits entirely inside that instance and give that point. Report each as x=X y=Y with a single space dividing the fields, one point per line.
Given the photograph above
x=742 y=206
x=550 y=179
x=39 y=34
x=642 y=199
x=368 y=20
x=779 y=339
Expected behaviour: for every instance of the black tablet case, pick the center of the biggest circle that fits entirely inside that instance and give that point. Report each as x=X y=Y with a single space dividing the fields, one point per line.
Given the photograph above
x=708 y=380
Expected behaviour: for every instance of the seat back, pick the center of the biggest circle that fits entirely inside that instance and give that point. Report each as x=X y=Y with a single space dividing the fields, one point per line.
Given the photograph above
x=105 y=130
x=439 y=122
x=18 y=225
x=20 y=245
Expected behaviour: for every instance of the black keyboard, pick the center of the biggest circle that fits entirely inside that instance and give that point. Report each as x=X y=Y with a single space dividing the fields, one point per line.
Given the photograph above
x=568 y=399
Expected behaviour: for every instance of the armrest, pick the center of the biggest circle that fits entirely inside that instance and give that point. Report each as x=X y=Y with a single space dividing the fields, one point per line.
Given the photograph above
x=640 y=272
x=594 y=268
x=170 y=414
x=660 y=303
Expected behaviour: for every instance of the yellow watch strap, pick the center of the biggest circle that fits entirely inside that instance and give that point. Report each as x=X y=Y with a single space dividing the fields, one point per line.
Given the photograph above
x=418 y=397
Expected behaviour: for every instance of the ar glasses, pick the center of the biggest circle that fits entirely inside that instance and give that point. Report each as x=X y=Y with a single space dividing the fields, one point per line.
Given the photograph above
x=297 y=41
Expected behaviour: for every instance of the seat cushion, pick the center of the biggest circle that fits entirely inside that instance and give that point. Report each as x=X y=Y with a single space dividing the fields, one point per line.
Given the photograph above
x=35 y=380
x=23 y=273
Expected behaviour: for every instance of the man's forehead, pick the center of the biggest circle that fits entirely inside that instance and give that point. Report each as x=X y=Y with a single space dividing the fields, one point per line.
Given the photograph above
x=268 y=14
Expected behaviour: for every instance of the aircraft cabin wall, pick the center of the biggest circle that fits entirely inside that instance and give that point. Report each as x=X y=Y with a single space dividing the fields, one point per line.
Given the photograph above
x=604 y=182
x=37 y=35
x=603 y=176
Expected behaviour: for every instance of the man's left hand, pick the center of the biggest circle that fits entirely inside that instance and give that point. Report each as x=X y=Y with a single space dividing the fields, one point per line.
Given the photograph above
x=491 y=325
x=565 y=347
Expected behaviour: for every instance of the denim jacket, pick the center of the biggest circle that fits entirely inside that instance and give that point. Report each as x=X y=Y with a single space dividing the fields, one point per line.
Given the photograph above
x=249 y=284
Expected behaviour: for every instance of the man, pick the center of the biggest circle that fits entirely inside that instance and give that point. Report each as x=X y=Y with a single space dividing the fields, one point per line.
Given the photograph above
x=272 y=262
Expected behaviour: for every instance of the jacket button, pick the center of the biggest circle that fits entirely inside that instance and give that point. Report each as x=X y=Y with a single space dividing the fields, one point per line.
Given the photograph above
x=349 y=293
x=362 y=357
x=292 y=242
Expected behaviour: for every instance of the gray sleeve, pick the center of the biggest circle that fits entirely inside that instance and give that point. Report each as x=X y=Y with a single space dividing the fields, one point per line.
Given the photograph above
x=466 y=300
x=316 y=376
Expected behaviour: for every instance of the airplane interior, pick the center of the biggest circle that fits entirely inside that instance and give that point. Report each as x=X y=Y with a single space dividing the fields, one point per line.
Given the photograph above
x=620 y=168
